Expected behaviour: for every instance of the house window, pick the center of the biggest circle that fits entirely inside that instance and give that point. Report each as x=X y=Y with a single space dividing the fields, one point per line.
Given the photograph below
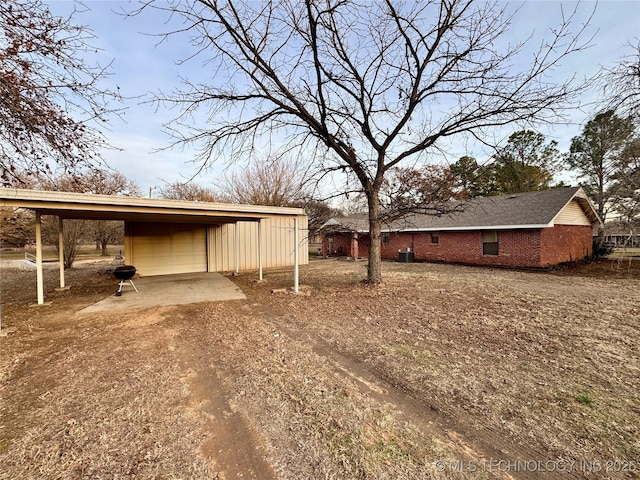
x=435 y=238
x=490 y=243
x=385 y=238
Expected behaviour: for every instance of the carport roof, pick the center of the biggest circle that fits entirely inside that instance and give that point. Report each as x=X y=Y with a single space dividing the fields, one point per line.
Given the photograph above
x=108 y=207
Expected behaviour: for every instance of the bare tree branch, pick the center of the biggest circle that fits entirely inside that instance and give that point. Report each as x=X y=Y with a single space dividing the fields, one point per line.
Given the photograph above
x=48 y=93
x=621 y=85
x=376 y=84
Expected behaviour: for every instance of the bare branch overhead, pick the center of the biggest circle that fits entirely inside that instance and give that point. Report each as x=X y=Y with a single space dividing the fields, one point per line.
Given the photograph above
x=50 y=94
x=366 y=85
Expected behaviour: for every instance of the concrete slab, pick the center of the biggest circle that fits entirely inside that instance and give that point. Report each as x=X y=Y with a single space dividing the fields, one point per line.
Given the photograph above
x=169 y=290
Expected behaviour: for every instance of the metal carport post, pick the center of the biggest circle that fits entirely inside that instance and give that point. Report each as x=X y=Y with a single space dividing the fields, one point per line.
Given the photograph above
x=296 y=254
x=259 y=250
x=39 y=271
x=61 y=250
x=236 y=248
x=39 y=276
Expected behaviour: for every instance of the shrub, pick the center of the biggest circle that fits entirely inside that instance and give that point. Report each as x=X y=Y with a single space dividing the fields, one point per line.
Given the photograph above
x=601 y=249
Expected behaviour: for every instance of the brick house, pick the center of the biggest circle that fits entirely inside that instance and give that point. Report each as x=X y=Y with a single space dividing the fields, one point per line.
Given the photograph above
x=534 y=229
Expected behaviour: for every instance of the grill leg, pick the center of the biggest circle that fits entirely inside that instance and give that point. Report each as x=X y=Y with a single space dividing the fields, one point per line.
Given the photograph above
x=121 y=284
x=119 y=292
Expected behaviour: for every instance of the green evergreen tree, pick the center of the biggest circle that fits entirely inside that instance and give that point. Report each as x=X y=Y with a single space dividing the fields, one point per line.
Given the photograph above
x=595 y=155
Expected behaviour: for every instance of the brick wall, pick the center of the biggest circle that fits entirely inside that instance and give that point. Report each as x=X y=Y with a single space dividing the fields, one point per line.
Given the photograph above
x=516 y=248
x=341 y=245
x=565 y=243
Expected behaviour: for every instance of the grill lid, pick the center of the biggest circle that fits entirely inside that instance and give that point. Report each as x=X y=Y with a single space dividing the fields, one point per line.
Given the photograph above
x=124 y=272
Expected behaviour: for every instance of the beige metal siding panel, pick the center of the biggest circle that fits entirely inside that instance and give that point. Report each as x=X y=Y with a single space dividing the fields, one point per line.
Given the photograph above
x=572 y=214
x=211 y=248
x=128 y=242
x=162 y=249
x=276 y=239
x=215 y=248
x=282 y=242
x=229 y=246
x=220 y=248
x=303 y=226
x=248 y=232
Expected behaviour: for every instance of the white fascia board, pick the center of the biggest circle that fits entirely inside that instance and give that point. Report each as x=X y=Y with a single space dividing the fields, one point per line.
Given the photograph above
x=466 y=229
x=34 y=198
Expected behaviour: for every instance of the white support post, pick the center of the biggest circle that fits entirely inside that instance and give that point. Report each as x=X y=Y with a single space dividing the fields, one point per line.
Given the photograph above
x=236 y=247
x=61 y=250
x=295 y=254
x=260 y=250
x=39 y=277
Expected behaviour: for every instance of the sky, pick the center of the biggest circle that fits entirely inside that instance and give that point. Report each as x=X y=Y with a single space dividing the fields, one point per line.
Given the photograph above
x=142 y=64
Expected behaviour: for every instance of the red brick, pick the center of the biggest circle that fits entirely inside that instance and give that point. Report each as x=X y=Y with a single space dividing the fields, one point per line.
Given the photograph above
x=566 y=243
x=516 y=248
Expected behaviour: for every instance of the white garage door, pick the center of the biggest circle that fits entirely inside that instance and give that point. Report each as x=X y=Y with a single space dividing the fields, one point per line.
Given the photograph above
x=162 y=249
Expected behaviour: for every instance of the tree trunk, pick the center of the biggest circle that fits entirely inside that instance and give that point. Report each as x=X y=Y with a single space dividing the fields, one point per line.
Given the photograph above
x=70 y=253
x=374 y=275
x=601 y=197
x=104 y=247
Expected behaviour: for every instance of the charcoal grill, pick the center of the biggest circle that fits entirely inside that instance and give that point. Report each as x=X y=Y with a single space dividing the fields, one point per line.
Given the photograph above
x=124 y=273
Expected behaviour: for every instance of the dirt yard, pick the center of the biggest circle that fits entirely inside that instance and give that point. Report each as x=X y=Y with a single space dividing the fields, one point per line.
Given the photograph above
x=442 y=372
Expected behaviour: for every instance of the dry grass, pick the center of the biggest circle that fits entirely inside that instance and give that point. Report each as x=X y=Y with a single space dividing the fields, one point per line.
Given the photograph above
x=101 y=412
x=317 y=421
x=344 y=381
x=506 y=353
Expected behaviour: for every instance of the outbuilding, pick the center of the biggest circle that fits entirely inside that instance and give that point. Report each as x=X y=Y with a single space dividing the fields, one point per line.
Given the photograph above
x=164 y=237
x=533 y=229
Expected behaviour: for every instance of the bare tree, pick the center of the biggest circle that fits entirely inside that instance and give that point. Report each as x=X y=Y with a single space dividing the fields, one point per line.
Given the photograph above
x=364 y=86
x=106 y=182
x=433 y=187
x=98 y=182
x=16 y=224
x=187 y=191
x=16 y=227
x=622 y=85
x=319 y=212
x=279 y=182
x=49 y=93
x=625 y=189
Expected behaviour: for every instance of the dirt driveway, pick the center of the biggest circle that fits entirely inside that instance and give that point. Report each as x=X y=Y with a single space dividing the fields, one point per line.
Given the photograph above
x=442 y=372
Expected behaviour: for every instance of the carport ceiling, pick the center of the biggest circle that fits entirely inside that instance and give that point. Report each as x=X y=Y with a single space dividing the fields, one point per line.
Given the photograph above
x=146 y=217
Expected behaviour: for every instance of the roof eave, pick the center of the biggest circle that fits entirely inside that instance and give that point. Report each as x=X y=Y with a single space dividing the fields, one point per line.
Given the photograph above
x=66 y=205
x=451 y=229
x=471 y=228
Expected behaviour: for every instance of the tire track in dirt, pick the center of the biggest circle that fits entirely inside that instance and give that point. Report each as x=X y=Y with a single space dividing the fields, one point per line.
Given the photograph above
x=481 y=446
x=232 y=445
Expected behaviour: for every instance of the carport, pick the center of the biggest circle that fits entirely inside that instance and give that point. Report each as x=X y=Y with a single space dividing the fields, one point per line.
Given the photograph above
x=176 y=236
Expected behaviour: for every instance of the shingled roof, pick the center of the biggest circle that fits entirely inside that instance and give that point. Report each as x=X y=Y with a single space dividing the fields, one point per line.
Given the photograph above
x=514 y=211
